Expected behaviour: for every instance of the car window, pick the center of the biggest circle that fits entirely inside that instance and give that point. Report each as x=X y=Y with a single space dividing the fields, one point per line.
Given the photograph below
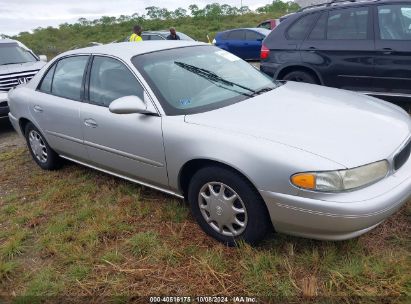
x=266 y=25
x=348 y=24
x=236 y=35
x=146 y=37
x=253 y=36
x=68 y=77
x=47 y=80
x=110 y=79
x=318 y=32
x=156 y=37
x=395 y=22
x=299 y=29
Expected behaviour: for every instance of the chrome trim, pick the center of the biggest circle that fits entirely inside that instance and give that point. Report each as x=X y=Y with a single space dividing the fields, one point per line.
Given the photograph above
x=124 y=154
x=73 y=139
x=125 y=177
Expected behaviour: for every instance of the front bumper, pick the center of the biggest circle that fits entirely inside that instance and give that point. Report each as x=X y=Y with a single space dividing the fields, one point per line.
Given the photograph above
x=4 y=109
x=339 y=220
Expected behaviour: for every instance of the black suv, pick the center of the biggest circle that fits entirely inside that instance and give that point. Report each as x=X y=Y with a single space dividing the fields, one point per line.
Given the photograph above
x=357 y=45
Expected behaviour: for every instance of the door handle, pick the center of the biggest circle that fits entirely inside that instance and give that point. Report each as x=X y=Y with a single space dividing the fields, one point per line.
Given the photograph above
x=37 y=109
x=91 y=123
x=387 y=51
x=312 y=49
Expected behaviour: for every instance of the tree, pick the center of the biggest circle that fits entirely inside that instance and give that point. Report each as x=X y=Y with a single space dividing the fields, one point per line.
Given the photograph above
x=244 y=10
x=180 y=13
x=153 y=12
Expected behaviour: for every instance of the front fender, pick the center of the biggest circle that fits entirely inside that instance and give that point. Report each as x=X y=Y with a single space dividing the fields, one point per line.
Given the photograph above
x=267 y=165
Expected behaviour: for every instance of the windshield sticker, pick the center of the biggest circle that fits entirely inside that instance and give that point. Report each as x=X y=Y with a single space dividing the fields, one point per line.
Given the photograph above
x=227 y=55
x=185 y=101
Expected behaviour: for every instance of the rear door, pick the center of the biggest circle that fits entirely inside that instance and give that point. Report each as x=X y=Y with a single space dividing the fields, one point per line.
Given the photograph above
x=236 y=43
x=340 y=47
x=253 y=44
x=55 y=106
x=393 y=50
x=130 y=144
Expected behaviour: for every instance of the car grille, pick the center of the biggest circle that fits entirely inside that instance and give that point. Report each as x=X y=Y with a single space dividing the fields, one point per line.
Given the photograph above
x=10 y=81
x=401 y=158
x=3 y=104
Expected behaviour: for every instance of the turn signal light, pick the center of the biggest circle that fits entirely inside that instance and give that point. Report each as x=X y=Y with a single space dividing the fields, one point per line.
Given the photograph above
x=304 y=180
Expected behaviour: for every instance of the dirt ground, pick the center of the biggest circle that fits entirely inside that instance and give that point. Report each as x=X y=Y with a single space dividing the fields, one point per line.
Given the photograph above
x=8 y=137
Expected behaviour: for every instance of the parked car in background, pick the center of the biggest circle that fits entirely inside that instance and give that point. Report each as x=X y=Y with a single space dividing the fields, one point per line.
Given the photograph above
x=159 y=35
x=18 y=65
x=162 y=35
x=269 y=24
x=363 y=46
x=243 y=42
x=247 y=152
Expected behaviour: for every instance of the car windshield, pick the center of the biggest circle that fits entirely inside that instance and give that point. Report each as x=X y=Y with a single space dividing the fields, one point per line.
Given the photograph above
x=202 y=78
x=12 y=53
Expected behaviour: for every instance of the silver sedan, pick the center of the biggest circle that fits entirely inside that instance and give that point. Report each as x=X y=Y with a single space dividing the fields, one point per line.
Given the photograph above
x=199 y=123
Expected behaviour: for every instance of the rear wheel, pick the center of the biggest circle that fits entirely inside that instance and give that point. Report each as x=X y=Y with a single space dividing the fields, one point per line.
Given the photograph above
x=227 y=207
x=300 y=76
x=40 y=150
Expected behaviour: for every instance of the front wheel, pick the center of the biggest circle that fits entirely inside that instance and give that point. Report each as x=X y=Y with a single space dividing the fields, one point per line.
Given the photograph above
x=227 y=207
x=40 y=150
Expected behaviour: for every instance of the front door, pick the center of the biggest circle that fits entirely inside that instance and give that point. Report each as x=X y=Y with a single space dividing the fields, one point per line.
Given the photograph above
x=393 y=50
x=128 y=144
x=56 y=104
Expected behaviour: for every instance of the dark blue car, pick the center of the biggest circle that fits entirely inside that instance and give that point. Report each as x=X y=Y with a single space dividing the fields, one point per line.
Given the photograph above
x=243 y=42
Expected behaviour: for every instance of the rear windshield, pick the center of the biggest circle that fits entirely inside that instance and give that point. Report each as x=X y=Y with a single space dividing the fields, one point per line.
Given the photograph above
x=12 y=53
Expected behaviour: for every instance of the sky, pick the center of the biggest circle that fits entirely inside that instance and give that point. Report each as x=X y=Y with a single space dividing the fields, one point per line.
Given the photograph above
x=24 y=15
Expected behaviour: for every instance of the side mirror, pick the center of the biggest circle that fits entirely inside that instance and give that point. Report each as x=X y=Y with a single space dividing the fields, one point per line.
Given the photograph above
x=130 y=105
x=43 y=58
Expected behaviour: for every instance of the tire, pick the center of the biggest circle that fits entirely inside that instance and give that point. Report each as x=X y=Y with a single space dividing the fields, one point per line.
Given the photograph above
x=300 y=76
x=216 y=211
x=43 y=155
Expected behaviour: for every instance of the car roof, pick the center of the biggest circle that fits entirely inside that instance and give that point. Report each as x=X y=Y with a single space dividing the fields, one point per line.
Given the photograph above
x=328 y=5
x=255 y=29
x=6 y=40
x=127 y=50
x=156 y=32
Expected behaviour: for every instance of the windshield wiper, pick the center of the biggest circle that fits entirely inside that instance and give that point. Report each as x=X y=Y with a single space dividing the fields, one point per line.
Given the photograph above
x=214 y=77
x=263 y=90
x=8 y=63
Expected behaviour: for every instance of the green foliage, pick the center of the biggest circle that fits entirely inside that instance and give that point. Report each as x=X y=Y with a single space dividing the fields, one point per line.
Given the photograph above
x=195 y=22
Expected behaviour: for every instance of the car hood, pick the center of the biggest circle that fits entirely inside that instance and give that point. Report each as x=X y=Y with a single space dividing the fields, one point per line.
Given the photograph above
x=342 y=126
x=21 y=67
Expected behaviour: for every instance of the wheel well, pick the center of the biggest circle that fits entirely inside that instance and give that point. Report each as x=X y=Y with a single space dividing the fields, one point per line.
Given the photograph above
x=192 y=166
x=293 y=68
x=23 y=123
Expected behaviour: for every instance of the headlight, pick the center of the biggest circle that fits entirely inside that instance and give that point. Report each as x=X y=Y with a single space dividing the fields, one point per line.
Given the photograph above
x=341 y=180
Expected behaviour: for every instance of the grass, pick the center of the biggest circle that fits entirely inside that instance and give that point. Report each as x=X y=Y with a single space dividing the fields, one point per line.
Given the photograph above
x=78 y=232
